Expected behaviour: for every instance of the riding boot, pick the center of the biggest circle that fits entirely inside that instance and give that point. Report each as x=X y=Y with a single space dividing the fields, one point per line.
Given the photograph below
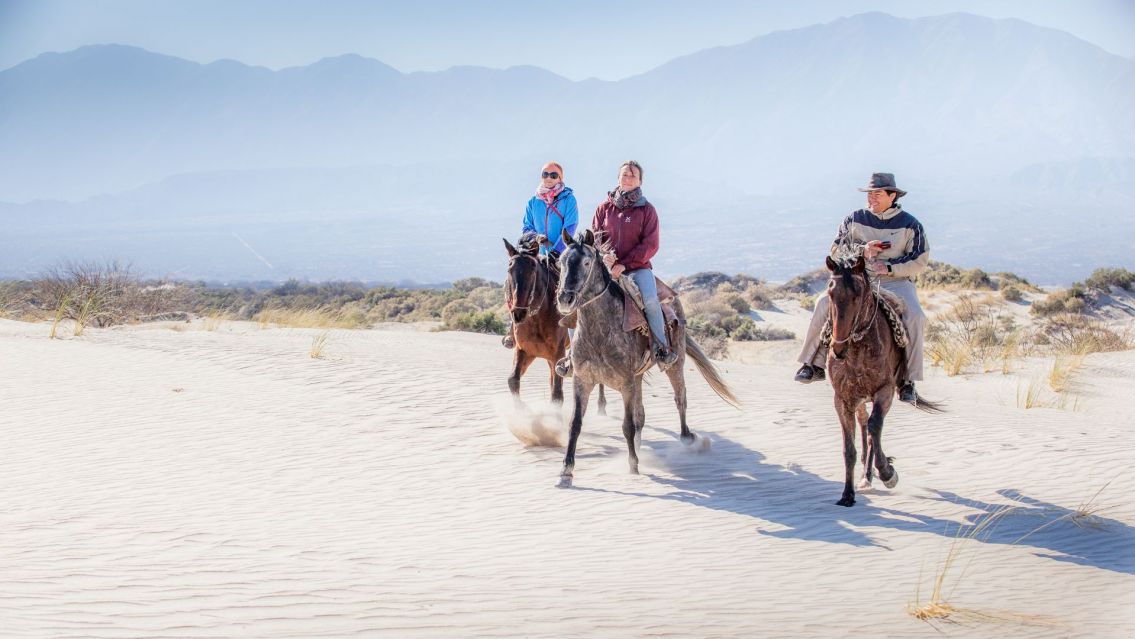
x=908 y=394
x=808 y=374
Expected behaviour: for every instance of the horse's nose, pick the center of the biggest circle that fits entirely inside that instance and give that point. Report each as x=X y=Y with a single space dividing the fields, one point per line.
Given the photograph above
x=567 y=299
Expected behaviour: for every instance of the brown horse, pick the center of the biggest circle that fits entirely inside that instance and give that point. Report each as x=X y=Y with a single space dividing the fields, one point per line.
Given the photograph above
x=865 y=365
x=531 y=293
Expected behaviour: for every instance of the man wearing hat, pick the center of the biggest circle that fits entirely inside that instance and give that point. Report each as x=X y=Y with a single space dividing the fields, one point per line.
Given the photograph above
x=896 y=251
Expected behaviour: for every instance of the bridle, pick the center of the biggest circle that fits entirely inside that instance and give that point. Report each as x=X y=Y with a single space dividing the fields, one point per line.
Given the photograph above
x=858 y=335
x=532 y=293
x=585 y=282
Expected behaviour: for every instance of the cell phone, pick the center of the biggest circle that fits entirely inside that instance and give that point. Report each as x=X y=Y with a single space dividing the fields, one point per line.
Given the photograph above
x=884 y=245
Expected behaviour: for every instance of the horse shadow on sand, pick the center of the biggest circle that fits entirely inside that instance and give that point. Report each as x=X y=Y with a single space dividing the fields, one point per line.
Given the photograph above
x=793 y=503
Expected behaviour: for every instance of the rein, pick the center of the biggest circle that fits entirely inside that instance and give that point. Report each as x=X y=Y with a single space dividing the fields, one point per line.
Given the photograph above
x=856 y=336
x=587 y=280
x=532 y=293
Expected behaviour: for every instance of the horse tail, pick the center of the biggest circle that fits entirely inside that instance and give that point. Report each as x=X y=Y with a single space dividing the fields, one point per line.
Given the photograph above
x=709 y=372
x=928 y=406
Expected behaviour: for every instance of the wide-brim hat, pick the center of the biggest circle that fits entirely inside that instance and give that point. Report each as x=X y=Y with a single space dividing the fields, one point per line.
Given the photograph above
x=883 y=182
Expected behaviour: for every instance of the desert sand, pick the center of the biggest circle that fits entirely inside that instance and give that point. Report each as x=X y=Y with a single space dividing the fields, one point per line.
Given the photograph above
x=172 y=481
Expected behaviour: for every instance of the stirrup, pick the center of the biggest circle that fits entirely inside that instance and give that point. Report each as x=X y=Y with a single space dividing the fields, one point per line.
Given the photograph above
x=563 y=367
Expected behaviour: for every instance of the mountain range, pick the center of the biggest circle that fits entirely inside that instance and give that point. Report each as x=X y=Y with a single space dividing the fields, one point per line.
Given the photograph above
x=1003 y=132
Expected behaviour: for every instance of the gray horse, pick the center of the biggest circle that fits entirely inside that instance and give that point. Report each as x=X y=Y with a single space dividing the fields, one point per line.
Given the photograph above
x=603 y=353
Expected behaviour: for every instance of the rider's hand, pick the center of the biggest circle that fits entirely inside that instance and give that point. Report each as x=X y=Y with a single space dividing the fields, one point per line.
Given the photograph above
x=609 y=259
x=617 y=270
x=542 y=240
x=872 y=248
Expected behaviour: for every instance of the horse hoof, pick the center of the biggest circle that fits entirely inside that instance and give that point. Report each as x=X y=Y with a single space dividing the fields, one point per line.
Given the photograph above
x=890 y=483
x=565 y=481
x=846 y=501
x=864 y=484
x=634 y=468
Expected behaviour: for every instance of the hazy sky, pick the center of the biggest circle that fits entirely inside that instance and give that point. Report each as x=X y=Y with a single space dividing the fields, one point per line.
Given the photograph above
x=607 y=39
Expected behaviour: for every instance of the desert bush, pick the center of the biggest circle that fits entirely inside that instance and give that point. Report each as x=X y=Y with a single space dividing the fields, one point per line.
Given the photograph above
x=1103 y=279
x=478 y=322
x=971 y=333
x=749 y=331
x=1074 y=334
x=738 y=303
x=1011 y=293
x=942 y=275
x=1070 y=300
x=808 y=284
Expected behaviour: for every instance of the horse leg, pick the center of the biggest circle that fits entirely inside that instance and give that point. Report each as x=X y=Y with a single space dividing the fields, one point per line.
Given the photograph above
x=520 y=361
x=580 y=393
x=557 y=383
x=846 y=414
x=631 y=425
x=677 y=377
x=883 y=464
x=639 y=415
x=861 y=418
x=602 y=401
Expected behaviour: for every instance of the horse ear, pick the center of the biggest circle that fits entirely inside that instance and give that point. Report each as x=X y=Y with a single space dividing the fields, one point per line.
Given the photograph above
x=510 y=248
x=568 y=241
x=859 y=266
x=831 y=264
x=589 y=237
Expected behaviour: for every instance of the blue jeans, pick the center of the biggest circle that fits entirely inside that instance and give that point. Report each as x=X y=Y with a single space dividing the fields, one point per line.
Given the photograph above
x=644 y=279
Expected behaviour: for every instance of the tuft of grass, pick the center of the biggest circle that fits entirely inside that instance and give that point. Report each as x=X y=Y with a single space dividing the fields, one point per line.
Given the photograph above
x=60 y=313
x=1063 y=368
x=952 y=571
x=305 y=318
x=213 y=321
x=318 y=344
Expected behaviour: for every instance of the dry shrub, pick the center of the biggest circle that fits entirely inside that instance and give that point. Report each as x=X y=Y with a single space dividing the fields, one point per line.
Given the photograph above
x=1072 y=334
x=1104 y=278
x=972 y=332
x=307 y=318
x=946 y=276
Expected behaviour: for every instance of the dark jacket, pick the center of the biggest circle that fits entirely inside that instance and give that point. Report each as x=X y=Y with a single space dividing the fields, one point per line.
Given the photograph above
x=632 y=232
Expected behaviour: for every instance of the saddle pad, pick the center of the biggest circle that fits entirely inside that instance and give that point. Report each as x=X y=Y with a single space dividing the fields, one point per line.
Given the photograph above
x=633 y=317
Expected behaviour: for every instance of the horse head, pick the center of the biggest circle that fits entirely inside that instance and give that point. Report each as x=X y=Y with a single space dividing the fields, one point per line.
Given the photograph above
x=849 y=293
x=582 y=274
x=523 y=281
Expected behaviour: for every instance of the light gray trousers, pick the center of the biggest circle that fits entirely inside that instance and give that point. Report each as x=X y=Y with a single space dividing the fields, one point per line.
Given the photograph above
x=914 y=320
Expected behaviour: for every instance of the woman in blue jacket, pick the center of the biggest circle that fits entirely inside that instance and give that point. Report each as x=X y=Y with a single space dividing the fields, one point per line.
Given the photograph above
x=551 y=210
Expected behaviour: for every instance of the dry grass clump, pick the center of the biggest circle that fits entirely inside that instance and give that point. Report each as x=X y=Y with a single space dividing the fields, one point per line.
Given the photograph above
x=952 y=571
x=1104 y=278
x=974 y=334
x=1072 y=334
x=308 y=318
x=947 y=276
x=318 y=344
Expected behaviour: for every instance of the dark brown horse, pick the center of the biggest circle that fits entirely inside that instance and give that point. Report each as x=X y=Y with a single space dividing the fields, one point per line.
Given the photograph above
x=865 y=365
x=531 y=293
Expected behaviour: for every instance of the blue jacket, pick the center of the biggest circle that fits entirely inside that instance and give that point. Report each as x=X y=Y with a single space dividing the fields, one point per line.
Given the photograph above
x=542 y=219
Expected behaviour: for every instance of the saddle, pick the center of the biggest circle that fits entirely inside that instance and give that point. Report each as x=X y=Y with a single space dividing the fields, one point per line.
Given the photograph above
x=634 y=319
x=892 y=307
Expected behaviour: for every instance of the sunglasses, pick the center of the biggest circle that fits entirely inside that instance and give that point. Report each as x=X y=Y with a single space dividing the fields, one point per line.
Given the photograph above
x=550 y=174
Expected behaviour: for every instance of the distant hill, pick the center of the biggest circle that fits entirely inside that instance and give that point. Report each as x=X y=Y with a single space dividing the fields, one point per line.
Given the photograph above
x=349 y=168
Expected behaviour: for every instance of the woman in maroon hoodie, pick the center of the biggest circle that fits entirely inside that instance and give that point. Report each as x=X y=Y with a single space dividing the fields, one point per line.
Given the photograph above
x=629 y=224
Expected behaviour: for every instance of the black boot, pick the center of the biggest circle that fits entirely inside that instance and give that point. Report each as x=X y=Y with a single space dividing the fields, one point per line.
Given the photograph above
x=665 y=357
x=808 y=374
x=908 y=394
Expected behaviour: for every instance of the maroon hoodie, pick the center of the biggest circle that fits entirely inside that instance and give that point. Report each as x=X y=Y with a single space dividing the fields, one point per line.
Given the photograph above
x=632 y=232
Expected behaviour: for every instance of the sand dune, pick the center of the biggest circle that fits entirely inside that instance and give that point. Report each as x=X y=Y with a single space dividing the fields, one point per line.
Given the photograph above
x=193 y=483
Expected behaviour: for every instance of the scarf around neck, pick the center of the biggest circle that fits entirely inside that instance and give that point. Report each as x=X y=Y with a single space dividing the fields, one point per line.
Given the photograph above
x=625 y=199
x=549 y=194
